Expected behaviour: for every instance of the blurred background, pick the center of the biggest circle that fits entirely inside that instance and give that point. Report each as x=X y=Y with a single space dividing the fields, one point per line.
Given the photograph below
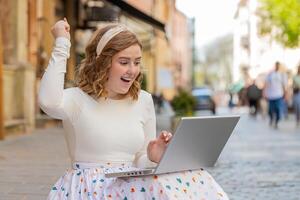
x=199 y=58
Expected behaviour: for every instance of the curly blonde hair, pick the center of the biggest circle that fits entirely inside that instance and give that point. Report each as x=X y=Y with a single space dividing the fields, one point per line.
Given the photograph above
x=93 y=70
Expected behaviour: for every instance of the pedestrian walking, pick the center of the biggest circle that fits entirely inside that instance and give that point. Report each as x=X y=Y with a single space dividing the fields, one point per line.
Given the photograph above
x=274 y=91
x=296 y=95
x=109 y=123
x=286 y=96
x=253 y=95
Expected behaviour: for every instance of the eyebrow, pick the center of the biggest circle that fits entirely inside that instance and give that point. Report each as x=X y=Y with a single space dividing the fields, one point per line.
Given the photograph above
x=129 y=58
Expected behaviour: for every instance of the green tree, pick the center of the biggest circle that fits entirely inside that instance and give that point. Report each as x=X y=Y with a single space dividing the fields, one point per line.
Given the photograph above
x=280 y=19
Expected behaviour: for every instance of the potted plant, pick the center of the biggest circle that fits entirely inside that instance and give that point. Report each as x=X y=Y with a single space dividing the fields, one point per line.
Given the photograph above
x=183 y=104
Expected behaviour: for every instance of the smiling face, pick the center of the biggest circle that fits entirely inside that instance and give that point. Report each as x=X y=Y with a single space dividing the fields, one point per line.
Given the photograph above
x=125 y=68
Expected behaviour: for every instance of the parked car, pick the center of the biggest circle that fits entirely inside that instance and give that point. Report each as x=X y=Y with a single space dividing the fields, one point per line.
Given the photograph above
x=205 y=99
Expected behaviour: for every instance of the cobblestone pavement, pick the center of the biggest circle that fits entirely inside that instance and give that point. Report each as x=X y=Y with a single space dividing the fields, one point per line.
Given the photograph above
x=257 y=163
x=261 y=163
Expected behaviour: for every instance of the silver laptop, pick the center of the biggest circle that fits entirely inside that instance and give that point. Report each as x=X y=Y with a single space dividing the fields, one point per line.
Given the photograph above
x=196 y=143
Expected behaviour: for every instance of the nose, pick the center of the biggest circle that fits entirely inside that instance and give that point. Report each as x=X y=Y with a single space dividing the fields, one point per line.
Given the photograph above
x=130 y=67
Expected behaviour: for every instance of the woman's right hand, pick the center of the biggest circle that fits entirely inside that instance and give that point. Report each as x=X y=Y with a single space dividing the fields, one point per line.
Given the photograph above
x=61 y=29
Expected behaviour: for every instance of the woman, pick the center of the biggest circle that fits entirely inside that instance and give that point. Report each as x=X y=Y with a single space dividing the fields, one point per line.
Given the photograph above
x=296 y=95
x=110 y=123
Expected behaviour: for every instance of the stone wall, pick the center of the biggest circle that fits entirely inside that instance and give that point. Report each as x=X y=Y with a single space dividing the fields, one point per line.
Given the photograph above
x=19 y=95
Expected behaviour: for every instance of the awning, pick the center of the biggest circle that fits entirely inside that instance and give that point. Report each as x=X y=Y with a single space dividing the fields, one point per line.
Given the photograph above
x=131 y=10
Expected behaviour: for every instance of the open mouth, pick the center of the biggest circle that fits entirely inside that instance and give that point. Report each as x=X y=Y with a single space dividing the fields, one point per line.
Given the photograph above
x=127 y=80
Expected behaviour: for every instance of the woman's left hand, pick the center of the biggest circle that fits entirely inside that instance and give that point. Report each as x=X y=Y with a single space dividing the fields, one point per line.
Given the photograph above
x=157 y=147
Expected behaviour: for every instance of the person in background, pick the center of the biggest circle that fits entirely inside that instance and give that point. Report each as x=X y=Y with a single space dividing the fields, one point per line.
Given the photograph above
x=230 y=101
x=158 y=100
x=274 y=91
x=296 y=96
x=254 y=95
x=286 y=96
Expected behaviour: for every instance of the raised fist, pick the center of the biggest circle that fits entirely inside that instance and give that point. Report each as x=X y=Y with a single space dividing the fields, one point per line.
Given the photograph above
x=61 y=29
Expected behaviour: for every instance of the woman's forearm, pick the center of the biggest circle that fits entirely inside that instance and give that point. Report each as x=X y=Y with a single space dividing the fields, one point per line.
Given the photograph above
x=52 y=84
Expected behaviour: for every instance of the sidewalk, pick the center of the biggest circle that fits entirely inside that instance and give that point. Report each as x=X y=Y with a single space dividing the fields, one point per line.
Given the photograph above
x=31 y=164
x=257 y=163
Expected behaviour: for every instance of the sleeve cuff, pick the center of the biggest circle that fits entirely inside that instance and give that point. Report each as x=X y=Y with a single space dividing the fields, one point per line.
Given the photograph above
x=63 y=44
x=62 y=41
x=144 y=162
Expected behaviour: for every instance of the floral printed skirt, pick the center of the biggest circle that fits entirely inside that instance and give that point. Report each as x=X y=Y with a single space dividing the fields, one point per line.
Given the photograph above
x=86 y=181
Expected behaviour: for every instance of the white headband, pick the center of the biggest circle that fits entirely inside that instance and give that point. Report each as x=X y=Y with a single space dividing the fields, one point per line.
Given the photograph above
x=107 y=36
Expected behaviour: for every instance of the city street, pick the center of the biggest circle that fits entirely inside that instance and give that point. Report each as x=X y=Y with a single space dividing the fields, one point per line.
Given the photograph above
x=257 y=163
x=261 y=163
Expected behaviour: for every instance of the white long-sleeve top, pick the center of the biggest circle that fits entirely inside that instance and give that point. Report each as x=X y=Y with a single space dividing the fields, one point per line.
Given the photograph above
x=97 y=131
